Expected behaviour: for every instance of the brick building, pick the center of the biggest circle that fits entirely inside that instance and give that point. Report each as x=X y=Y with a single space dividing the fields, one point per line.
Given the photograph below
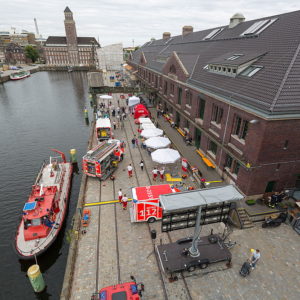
x=14 y=54
x=70 y=50
x=235 y=90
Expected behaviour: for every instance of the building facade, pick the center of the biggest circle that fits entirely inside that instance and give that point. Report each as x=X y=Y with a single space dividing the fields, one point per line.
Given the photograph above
x=14 y=54
x=235 y=90
x=70 y=50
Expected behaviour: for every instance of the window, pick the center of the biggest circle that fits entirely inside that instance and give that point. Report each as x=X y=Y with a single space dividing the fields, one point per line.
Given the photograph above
x=213 y=33
x=240 y=128
x=286 y=143
x=232 y=164
x=166 y=88
x=205 y=67
x=187 y=124
x=179 y=95
x=201 y=108
x=234 y=57
x=217 y=114
x=160 y=81
x=172 y=88
x=213 y=147
x=258 y=27
x=172 y=69
x=188 y=98
x=250 y=71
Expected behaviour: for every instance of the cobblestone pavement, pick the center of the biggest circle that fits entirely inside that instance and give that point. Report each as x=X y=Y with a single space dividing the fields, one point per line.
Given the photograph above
x=276 y=276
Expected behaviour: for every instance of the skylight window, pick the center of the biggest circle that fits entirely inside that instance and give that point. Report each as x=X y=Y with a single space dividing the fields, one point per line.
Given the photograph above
x=234 y=57
x=213 y=33
x=205 y=67
x=258 y=27
x=250 y=71
x=169 y=40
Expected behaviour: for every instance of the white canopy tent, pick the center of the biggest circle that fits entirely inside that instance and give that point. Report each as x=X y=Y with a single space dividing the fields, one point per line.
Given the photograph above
x=145 y=126
x=148 y=133
x=165 y=156
x=108 y=97
x=145 y=121
x=157 y=142
x=132 y=101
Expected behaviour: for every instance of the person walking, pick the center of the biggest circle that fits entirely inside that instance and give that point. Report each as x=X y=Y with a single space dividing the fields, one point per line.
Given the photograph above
x=129 y=169
x=202 y=183
x=254 y=258
x=120 y=195
x=142 y=165
x=162 y=172
x=124 y=202
x=115 y=125
x=137 y=142
x=133 y=142
x=154 y=173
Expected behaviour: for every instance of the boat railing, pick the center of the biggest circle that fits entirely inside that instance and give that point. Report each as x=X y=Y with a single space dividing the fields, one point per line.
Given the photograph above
x=40 y=173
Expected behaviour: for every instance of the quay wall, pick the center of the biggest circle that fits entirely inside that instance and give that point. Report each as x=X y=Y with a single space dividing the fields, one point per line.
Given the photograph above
x=71 y=260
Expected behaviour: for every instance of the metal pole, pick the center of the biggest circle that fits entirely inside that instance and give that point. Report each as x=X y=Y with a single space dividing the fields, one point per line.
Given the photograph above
x=194 y=251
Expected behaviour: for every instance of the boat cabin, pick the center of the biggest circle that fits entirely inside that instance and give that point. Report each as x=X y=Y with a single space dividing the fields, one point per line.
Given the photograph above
x=39 y=212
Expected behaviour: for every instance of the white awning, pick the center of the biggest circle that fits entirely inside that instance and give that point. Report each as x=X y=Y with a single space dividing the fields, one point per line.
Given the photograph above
x=193 y=199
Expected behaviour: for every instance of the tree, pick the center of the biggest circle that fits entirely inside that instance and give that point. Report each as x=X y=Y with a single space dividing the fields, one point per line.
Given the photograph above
x=32 y=53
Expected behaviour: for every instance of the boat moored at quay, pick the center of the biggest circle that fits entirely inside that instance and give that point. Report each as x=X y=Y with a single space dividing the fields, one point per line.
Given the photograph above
x=19 y=75
x=45 y=210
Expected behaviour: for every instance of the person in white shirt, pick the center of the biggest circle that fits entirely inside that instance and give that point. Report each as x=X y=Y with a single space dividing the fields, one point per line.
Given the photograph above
x=255 y=257
x=129 y=169
x=124 y=201
x=120 y=194
x=154 y=172
x=142 y=165
x=162 y=172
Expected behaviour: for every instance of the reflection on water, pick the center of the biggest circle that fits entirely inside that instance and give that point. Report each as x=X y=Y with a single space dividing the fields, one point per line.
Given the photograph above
x=41 y=112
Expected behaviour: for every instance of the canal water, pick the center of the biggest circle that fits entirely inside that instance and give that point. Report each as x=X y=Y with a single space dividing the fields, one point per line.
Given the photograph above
x=41 y=112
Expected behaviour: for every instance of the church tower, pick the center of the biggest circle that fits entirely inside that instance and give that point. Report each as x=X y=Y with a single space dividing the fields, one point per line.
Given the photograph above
x=71 y=37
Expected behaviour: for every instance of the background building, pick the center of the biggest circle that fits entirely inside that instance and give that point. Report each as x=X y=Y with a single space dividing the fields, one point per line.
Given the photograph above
x=235 y=90
x=70 y=50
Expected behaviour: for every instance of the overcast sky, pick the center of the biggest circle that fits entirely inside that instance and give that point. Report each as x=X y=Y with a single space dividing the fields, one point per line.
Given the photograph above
x=115 y=21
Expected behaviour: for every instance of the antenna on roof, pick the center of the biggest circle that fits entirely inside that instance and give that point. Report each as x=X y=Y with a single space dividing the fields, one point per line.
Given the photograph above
x=133 y=43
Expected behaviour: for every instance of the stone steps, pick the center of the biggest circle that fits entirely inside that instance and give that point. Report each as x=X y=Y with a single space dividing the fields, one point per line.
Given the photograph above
x=245 y=220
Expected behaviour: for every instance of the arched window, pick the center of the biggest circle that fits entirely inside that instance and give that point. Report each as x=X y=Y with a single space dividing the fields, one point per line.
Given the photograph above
x=172 y=69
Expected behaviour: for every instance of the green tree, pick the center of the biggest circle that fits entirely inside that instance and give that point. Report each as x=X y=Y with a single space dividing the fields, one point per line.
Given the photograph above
x=32 y=53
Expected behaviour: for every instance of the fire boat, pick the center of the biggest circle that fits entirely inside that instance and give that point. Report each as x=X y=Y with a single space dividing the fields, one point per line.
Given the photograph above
x=45 y=210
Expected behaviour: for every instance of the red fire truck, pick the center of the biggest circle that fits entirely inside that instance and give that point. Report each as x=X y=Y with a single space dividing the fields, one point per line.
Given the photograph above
x=102 y=160
x=145 y=202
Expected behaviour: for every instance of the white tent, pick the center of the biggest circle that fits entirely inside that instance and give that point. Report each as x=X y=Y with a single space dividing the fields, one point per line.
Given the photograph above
x=132 y=101
x=105 y=97
x=145 y=121
x=148 y=133
x=165 y=156
x=157 y=142
x=145 y=126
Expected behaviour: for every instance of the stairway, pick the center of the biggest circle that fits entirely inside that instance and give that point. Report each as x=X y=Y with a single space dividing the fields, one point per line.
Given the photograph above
x=245 y=220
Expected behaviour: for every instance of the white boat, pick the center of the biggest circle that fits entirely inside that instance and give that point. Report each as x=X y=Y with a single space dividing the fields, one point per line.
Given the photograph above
x=19 y=75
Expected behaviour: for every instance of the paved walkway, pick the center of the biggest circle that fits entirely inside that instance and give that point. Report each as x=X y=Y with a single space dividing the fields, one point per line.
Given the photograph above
x=188 y=152
x=276 y=277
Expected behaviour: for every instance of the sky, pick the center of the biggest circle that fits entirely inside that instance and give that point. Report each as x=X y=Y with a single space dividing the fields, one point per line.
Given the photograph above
x=133 y=22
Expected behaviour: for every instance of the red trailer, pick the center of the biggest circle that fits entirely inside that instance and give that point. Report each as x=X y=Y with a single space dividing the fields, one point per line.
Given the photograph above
x=145 y=202
x=140 y=111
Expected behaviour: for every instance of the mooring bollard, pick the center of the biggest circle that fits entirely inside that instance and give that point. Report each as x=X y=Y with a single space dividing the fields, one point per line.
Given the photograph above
x=86 y=114
x=73 y=156
x=36 y=278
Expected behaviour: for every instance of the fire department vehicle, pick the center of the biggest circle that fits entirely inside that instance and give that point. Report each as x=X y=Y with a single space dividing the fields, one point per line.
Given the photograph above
x=103 y=129
x=123 y=291
x=145 y=202
x=102 y=160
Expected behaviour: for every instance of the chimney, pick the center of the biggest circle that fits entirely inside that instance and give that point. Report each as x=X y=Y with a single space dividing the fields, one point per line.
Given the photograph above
x=166 y=35
x=236 y=19
x=187 y=29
